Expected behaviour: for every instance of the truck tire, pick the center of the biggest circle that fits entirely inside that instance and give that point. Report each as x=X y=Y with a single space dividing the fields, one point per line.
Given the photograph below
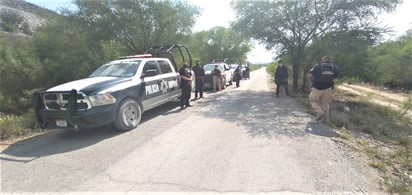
x=128 y=115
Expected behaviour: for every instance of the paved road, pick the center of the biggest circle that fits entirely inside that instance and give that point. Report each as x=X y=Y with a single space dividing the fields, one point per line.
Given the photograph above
x=239 y=140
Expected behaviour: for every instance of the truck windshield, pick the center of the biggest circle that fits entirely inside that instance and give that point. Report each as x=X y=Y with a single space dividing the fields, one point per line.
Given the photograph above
x=209 y=67
x=117 y=69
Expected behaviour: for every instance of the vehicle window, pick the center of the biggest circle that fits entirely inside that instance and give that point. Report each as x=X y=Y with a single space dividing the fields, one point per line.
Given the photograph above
x=209 y=67
x=164 y=66
x=150 y=65
x=117 y=69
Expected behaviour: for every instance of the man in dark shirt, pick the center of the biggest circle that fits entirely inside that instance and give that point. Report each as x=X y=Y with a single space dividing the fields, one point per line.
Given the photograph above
x=281 y=77
x=199 y=74
x=322 y=76
x=186 y=85
x=237 y=76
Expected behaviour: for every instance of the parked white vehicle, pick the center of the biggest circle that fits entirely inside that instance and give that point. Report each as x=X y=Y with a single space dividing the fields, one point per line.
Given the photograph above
x=226 y=76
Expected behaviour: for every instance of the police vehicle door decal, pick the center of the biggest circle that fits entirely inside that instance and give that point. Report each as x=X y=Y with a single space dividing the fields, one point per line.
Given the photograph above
x=169 y=83
x=151 y=89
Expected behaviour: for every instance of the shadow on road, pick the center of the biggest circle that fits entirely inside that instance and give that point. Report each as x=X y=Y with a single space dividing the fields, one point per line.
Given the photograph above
x=260 y=112
x=320 y=130
x=58 y=141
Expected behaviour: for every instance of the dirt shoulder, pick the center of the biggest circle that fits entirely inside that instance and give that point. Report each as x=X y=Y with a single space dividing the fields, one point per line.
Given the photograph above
x=394 y=100
x=375 y=125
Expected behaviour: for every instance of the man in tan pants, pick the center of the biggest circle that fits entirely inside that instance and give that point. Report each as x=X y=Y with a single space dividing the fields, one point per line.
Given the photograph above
x=322 y=76
x=216 y=73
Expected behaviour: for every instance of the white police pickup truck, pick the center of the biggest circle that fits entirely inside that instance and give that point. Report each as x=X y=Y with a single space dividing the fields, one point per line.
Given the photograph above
x=117 y=92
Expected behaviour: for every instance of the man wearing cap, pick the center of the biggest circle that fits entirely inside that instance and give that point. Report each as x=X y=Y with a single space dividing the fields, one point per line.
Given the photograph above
x=322 y=76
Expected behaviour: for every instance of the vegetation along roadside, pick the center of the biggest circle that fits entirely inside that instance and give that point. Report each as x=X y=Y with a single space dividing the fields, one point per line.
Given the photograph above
x=382 y=132
x=54 y=48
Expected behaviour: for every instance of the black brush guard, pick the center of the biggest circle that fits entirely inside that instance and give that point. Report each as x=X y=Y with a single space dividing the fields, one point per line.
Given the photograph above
x=68 y=110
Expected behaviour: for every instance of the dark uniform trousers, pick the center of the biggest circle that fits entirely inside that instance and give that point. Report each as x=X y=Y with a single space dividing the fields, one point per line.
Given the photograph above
x=199 y=87
x=186 y=90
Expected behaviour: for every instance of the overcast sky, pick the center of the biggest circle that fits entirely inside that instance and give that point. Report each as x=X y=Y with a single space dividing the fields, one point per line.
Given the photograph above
x=219 y=13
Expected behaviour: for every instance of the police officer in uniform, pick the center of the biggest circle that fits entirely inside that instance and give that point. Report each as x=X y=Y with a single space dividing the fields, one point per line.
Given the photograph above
x=237 y=76
x=186 y=85
x=199 y=74
x=281 y=77
x=322 y=76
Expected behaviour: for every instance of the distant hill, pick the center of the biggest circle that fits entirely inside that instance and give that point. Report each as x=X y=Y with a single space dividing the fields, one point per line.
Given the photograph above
x=33 y=15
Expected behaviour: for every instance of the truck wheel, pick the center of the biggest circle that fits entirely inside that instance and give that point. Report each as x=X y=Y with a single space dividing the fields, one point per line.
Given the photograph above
x=128 y=115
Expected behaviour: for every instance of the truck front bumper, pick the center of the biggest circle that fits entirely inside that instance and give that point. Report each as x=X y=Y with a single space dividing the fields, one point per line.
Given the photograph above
x=70 y=117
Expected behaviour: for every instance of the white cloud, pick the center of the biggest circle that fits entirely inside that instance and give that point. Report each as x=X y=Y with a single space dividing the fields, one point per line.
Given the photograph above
x=400 y=19
x=219 y=13
x=213 y=13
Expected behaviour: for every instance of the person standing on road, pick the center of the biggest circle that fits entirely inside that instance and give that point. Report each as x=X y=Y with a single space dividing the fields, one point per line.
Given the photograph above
x=247 y=72
x=199 y=74
x=238 y=76
x=186 y=85
x=216 y=73
x=322 y=76
x=281 y=78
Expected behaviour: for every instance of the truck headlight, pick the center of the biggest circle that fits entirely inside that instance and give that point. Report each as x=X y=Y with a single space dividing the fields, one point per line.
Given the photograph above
x=102 y=99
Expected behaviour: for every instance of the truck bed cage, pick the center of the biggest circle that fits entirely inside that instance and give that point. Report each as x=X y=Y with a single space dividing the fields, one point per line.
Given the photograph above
x=158 y=51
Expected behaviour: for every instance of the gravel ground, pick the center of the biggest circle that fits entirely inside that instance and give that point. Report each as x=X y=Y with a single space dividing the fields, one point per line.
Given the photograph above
x=240 y=140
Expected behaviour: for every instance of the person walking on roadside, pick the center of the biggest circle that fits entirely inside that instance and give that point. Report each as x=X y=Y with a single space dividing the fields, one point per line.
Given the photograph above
x=281 y=78
x=216 y=73
x=199 y=75
x=186 y=85
x=322 y=76
x=237 y=76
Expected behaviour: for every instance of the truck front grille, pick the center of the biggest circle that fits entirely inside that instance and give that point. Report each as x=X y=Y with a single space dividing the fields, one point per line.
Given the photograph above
x=59 y=101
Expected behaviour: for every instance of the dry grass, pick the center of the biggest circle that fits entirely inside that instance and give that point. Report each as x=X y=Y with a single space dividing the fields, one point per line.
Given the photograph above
x=382 y=133
x=389 y=137
x=17 y=126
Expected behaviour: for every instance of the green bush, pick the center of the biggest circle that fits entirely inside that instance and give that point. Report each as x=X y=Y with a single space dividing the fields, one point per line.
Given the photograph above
x=10 y=21
x=271 y=69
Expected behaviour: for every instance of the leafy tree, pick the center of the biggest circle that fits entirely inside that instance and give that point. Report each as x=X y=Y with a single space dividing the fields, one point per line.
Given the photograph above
x=291 y=25
x=19 y=70
x=349 y=49
x=391 y=63
x=197 y=44
x=219 y=43
x=138 y=24
x=67 y=51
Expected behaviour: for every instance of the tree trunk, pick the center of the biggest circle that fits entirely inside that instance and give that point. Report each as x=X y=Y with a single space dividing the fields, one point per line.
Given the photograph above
x=304 y=79
x=295 y=75
x=296 y=60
